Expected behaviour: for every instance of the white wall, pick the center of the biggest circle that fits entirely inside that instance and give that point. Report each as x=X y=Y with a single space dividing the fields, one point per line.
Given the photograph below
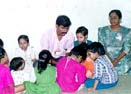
x=33 y=17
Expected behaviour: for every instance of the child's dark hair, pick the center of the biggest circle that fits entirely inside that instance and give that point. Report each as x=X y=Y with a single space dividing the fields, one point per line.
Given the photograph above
x=63 y=20
x=83 y=30
x=80 y=50
x=44 y=59
x=16 y=63
x=97 y=47
x=2 y=53
x=25 y=37
x=1 y=43
x=118 y=13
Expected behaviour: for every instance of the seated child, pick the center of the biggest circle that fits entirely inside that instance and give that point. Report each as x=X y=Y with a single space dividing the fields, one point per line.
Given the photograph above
x=45 y=75
x=28 y=54
x=6 y=80
x=17 y=65
x=70 y=73
x=82 y=36
x=105 y=75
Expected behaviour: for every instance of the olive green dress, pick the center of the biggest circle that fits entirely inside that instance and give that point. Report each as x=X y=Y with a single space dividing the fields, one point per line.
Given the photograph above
x=45 y=84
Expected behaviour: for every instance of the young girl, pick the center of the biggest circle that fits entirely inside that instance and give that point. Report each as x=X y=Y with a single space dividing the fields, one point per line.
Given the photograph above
x=82 y=36
x=46 y=76
x=105 y=76
x=70 y=73
x=6 y=80
x=28 y=54
x=17 y=65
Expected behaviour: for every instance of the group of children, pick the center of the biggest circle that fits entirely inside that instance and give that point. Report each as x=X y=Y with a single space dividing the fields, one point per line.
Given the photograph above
x=86 y=63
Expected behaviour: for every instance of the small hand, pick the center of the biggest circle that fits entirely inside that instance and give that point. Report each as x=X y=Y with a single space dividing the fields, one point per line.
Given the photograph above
x=89 y=74
x=91 y=89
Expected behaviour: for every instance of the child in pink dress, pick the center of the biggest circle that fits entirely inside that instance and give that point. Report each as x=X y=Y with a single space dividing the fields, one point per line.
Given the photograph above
x=6 y=80
x=70 y=73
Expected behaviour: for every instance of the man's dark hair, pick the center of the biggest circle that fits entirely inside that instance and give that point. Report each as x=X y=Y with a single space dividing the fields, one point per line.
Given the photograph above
x=63 y=20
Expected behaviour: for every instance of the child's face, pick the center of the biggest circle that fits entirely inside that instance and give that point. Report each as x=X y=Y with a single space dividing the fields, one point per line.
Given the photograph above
x=5 y=60
x=93 y=56
x=23 y=44
x=81 y=38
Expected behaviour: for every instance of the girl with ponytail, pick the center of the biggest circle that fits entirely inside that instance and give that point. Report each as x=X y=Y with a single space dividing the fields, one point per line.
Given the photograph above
x=45 y=77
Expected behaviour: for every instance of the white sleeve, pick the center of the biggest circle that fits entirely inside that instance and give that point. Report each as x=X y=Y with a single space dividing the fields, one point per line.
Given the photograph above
x=70 y=43
x=44 y=41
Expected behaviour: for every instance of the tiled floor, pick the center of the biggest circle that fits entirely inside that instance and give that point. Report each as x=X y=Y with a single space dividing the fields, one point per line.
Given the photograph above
x=123 y=87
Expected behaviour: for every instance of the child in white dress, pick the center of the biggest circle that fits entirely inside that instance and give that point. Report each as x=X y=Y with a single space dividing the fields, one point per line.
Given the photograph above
x=17 y=65
x=28 y=54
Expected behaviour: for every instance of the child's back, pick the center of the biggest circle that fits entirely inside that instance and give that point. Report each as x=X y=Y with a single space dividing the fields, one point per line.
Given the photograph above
x=17 y=65
x=45 y=83
x=70 y=74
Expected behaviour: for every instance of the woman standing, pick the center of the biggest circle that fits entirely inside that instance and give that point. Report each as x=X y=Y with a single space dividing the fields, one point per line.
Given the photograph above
x=117 y=42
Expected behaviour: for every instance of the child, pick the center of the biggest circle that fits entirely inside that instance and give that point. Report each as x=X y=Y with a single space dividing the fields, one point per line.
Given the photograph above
x=82 y=35
x=46 y=76
x=70 y=73
x=17 y=65
x=105 y=76
x=87 y=62
x=28 y=54
x=89 y=65
x=6 y=80
x=1 y=43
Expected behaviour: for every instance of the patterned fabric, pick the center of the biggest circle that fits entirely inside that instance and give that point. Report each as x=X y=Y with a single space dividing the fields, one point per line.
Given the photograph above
x=76 y=43
x=6 y=81
x=57 y=48
x=27 y=55
x=70 y=74
x=45 y=83
x=104 y=70
x=115 y=43
x=19 y=76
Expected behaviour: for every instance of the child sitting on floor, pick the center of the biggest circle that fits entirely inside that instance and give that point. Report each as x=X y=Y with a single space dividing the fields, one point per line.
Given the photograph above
x=105 y=75
x=70 y=73
x=6 y=80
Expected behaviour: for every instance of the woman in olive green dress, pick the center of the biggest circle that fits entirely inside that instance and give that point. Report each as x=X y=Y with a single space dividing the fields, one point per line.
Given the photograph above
x=46 y=77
